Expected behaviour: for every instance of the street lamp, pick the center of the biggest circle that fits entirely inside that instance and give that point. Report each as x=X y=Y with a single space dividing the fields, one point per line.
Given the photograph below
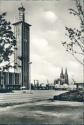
x=29 y=75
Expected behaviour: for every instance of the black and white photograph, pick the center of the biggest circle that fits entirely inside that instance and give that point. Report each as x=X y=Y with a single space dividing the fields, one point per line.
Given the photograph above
x=42 y=62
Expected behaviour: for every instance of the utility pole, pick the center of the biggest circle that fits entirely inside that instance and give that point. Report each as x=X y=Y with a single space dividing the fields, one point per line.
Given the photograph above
x=83 y=57
x=83 y=40
x=83 y=43
x=82 y=28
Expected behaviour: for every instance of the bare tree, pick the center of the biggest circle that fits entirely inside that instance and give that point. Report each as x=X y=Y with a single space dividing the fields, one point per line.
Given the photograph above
x=75 y=44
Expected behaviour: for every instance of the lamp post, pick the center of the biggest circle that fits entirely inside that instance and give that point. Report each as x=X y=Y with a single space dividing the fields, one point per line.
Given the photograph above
x=29 y=75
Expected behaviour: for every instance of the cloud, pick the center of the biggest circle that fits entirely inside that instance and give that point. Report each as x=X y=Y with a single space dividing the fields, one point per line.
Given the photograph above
x=74 y=64
x=50 y=16
x=45 y=20
x=43 y=69
x=39 y=45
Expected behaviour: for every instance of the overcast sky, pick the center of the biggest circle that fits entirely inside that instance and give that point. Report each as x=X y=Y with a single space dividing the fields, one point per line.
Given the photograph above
x=48 y=19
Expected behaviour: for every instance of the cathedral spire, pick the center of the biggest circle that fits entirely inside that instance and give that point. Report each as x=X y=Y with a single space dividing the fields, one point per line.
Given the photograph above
x=62 y=71
x=66 y=77
x=62 y=74
x=66 y=71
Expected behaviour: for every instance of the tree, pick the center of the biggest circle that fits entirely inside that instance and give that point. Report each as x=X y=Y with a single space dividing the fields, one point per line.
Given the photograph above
x=75 y=44
x=7 y=42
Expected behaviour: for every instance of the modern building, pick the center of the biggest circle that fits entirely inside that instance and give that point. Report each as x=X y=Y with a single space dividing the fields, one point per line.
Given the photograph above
x=22 y=49
x=9 y=80
x=21 y=74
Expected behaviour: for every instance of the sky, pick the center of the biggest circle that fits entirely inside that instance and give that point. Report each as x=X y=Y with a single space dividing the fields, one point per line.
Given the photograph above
x=48 y=19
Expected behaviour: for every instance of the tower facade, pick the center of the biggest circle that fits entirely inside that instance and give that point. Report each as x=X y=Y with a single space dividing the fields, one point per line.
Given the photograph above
x=22 y=48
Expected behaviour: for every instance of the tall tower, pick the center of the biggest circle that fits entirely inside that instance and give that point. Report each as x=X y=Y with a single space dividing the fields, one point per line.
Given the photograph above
x=22 y=49
x=61 y=77
x=61 y=74
x=66 y=77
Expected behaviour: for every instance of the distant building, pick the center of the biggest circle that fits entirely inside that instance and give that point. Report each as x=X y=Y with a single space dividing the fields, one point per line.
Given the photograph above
x=79 y=85
x=57 y=81
x=63 y=78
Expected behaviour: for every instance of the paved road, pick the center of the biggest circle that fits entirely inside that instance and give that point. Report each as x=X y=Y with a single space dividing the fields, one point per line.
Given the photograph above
x=26 y=96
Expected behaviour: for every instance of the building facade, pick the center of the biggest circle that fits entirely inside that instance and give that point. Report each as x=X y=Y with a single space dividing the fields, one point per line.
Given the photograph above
x=22 y=49
x=21 y=75
x=9 y=80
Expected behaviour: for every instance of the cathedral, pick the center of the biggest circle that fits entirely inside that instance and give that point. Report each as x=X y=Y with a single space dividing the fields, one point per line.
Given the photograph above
x=63 y=79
